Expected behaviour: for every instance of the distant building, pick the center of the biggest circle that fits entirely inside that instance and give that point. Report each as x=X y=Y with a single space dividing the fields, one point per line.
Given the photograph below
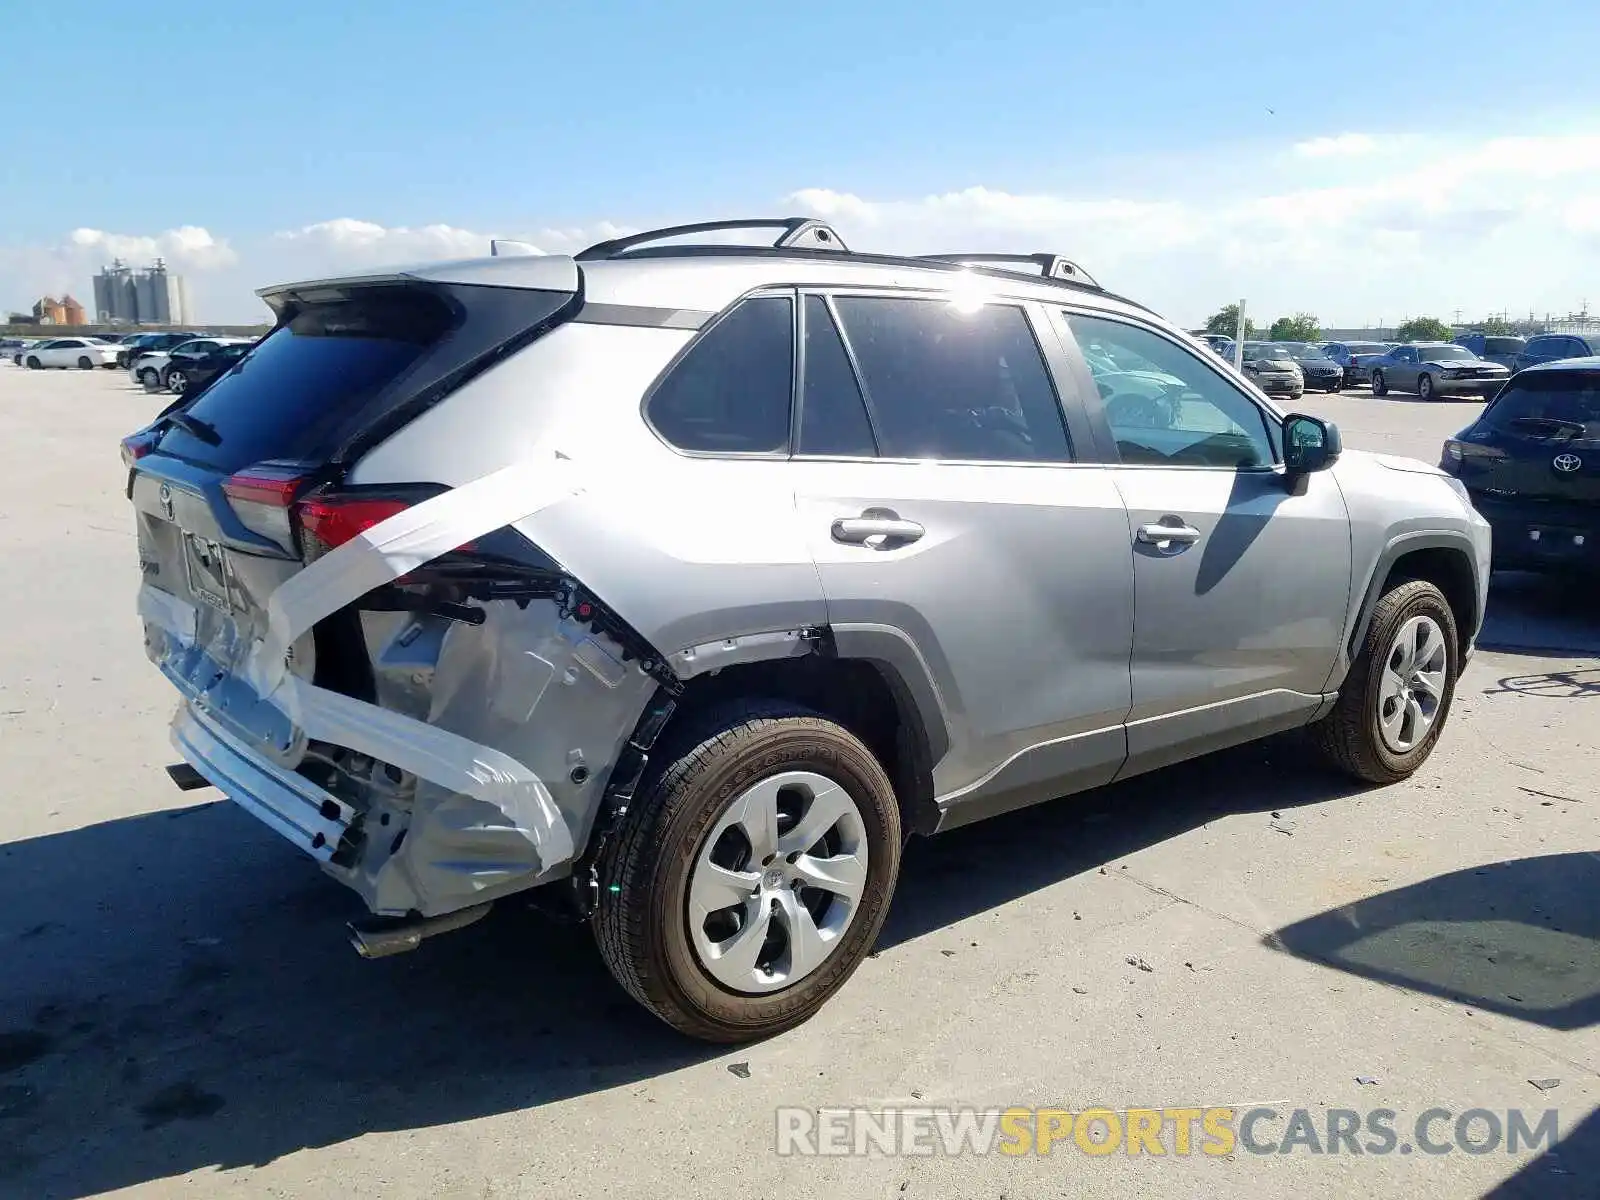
x=125 y=295
x=47 y=310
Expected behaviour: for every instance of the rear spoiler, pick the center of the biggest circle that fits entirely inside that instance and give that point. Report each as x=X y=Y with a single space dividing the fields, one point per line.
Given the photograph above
x=534 y=272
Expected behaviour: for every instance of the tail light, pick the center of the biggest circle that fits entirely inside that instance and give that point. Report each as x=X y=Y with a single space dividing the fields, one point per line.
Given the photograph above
x=329 y=521
x=263 y=497
x=136 y=446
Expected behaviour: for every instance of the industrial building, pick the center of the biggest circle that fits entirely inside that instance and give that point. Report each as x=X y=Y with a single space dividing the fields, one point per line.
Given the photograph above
x=125 y=295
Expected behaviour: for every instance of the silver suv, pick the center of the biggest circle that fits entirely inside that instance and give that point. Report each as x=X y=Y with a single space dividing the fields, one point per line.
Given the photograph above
x=683 y=580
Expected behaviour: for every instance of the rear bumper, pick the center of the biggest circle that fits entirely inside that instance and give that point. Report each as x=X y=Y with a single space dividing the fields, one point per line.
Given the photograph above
x=1542 y=537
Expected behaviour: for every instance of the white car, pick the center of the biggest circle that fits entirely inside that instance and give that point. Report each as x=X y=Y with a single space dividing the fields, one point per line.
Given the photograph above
x=85 y=352
x=153 y=369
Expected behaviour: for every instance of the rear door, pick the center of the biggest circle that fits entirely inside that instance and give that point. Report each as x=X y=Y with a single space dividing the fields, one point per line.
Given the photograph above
x=1241 y=584
x=963 y=529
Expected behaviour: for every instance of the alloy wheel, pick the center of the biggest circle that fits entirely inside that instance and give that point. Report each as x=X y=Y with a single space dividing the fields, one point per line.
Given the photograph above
x=1413 y=683
x=777 y=882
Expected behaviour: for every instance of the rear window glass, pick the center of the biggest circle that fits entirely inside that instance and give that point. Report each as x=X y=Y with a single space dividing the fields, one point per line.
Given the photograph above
x=288 y=397
x=1549 y=404
x=1502 y=345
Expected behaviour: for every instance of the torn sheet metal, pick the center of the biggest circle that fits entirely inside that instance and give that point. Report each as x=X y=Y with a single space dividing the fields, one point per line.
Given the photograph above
x=457 y=775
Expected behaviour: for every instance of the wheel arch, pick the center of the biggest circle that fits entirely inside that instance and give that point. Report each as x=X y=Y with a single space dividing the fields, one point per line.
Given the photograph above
x=1442 y=559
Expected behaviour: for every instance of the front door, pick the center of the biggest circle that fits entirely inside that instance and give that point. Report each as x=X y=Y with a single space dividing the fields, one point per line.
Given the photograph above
x=955 y=532
x=1241 y=583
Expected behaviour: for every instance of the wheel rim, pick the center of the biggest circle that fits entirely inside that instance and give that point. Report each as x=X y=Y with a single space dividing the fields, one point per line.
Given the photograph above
x=177 y=381
x=1412 y=690
x=1424 y=387
x=777 y=882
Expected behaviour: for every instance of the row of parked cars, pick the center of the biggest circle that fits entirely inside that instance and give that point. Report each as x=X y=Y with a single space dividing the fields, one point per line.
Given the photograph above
x=1475 y=364
x=172 y=361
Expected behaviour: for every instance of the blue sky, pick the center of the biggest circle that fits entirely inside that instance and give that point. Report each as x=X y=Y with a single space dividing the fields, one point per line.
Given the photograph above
x=1192 y=153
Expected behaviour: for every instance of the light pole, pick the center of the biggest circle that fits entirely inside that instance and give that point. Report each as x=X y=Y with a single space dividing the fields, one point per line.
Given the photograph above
x=1238 y=341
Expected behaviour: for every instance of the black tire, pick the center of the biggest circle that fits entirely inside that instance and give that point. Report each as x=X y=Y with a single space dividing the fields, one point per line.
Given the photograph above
x=33 y=364
x=1349 y=735
x=150 y=378
x=85 y=363
x=1380 y=386
x=1425 y=388
x=641 y=924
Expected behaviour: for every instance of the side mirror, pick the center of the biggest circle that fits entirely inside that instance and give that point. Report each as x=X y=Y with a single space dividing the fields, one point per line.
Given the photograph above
x=1309 y=444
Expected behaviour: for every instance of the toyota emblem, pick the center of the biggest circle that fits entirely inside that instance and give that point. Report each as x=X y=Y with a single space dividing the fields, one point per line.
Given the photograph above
x=1567 y=463
x=165 y=497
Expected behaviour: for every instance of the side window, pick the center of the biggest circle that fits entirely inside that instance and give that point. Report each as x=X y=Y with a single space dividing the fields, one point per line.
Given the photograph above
x=833 y=416
x=1166 y=407
x=945 y=383
x=730 y=394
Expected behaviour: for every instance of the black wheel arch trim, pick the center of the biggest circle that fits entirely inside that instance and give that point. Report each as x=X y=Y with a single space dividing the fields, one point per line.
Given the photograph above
x=1396 y=549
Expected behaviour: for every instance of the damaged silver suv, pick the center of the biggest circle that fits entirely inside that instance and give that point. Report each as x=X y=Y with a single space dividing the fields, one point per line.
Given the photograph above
x=682 y=580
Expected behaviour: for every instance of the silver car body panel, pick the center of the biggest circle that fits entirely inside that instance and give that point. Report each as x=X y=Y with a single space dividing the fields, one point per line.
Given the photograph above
x=1043 y=648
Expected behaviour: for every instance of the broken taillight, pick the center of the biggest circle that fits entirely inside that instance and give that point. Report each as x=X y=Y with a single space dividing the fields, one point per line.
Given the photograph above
x=331 y=520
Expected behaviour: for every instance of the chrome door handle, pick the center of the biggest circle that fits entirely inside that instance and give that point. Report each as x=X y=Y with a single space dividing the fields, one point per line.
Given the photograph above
x=1176 y=535
x=860 y=531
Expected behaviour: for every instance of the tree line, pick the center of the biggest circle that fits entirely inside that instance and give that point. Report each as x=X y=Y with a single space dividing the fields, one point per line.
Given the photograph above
x=1304 y=327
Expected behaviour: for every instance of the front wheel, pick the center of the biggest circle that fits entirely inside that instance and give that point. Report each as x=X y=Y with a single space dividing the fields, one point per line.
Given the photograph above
x=1425 y=389
x=177 y=382
x=1380 y=386
x=1396 y=698
x=150 y=378
x=34 y=364
x=85 y=363
x=750 y=880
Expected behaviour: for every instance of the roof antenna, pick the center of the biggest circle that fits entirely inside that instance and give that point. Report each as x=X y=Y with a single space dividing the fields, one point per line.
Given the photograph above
x=501 y=247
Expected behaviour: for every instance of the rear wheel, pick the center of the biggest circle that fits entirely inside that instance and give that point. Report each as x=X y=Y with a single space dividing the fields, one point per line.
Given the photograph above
x=1425 y=386
x=85 y=363
x=751 y=879
x=33 y=363
x=177 y=382
x=1395 y=701
x=1380 y=386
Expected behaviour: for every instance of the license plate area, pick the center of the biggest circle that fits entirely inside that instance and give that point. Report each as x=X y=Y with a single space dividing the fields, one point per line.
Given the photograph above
x=209 y=573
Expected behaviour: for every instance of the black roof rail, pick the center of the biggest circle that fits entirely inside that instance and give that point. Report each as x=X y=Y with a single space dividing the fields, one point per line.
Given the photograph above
x=804 y=233
x=1049 y=266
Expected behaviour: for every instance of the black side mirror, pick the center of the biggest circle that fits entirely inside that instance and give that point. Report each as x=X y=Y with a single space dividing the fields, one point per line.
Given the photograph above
x=1309 y=444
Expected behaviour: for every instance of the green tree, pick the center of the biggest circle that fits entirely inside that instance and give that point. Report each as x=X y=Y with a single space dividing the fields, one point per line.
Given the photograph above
x=1495 y=327
x=1226 y=321
x=1424 y=329
x=1302 y=327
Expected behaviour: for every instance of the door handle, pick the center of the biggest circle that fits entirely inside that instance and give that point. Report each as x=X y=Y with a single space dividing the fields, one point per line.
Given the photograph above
x=1176 y=535
x=861 y=531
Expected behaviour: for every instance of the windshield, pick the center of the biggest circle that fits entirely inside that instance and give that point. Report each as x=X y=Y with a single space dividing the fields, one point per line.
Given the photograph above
x=1307 y=353
x=1549 y=404
x=1266 y=350
x=1368 y=348
x=1446 y=353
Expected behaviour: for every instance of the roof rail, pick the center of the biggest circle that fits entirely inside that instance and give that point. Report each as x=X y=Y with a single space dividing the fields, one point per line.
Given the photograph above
x=803 y=233
x=1050 y=266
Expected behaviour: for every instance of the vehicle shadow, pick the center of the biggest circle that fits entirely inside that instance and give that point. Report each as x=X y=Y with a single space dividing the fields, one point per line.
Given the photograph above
x=1520 y=938
x=177 y=995
x=1534 y=614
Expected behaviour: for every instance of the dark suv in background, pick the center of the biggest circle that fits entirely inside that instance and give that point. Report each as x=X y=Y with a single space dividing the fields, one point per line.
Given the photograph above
x=1531 y=465
x=1494 y=347
x=148 y=343
x=1552 y=347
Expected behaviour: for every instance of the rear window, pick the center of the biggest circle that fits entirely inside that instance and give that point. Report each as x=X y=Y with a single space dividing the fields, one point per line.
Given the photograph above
x=300 y=385
x=1549 y=404
x=1502 y=345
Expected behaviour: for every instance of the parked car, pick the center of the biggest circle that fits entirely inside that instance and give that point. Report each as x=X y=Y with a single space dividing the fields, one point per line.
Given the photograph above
x=1220 y=342
x=1552 y=347
x=1531 y=463
x=22 y=347
x=1271 y=367
x=1318 y=370
x=12 y=347
x=1494 y=347
x=151 y=343
x=450 y=587
x=84 y=352
x=1355 y=358
x=188 y=370
x=1433 y=369
x=153 y=368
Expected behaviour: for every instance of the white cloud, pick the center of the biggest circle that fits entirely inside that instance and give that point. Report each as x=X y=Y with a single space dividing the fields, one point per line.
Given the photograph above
x=1345 y=145
x=188 y=247
x=345 y=240
x=1481 y=226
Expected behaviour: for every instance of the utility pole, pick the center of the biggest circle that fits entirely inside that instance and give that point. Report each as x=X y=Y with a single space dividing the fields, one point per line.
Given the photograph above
x=1238 y=342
